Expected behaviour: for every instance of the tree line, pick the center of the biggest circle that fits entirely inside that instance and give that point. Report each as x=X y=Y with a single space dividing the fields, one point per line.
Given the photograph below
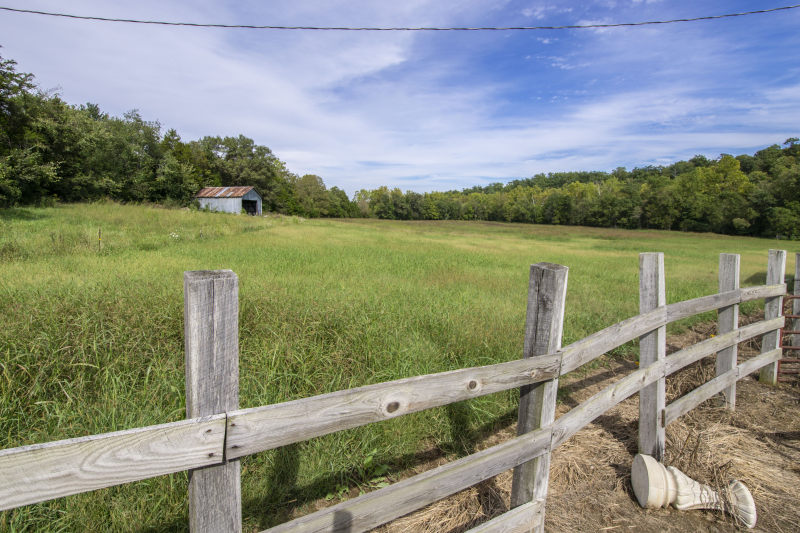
x=755 y=195
x=52 y=151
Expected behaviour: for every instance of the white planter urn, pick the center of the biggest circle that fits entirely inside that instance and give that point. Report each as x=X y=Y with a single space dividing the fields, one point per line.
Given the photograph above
x=656 y=486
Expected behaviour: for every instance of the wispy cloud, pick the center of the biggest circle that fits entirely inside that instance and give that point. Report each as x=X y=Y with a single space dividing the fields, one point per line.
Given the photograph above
x=429 y=111
x=540 y=11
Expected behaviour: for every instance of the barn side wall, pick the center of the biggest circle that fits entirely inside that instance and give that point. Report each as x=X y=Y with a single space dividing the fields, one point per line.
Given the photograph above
x=224 y=205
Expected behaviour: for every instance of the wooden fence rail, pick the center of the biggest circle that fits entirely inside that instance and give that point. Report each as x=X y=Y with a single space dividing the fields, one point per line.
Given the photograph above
x=217 y=433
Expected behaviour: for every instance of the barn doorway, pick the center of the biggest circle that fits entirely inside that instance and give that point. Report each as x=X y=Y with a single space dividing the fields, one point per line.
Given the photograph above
x=250 y=207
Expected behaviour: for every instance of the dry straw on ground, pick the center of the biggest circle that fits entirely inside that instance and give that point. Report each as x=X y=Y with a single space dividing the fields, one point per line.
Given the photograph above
x=590 y=489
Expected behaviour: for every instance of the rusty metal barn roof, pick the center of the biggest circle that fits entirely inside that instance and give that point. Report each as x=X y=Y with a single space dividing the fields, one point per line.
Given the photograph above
x=223 y=192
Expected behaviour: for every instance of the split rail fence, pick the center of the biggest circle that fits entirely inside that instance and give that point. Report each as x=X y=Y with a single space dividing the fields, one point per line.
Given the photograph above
x=217 y=433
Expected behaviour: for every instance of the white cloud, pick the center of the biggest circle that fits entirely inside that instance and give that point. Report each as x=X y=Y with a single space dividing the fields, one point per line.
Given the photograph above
x=541 y=11
x=599 y=135
x=416 y=111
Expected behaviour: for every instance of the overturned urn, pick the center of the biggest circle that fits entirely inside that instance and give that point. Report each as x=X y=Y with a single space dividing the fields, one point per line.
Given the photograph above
x=656 y=485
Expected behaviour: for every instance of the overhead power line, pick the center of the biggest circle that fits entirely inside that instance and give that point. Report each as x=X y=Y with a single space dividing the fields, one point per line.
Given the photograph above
x=368 y=28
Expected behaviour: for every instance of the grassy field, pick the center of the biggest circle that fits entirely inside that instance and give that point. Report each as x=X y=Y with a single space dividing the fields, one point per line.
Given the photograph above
x=92 y=333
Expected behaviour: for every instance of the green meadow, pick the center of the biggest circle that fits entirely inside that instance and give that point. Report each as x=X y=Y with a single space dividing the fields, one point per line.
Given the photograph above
x=92 y=332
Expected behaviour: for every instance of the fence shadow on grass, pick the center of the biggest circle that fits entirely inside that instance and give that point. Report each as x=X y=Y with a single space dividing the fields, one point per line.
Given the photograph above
x=285 y=495
x=759 y=278
x=462 y=437
x=281 y=483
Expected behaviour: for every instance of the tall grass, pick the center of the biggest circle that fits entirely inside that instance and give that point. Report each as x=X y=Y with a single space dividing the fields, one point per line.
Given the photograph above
x=92 y=338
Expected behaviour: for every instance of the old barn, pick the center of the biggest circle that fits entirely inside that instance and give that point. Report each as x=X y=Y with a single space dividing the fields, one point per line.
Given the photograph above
x=230 y=199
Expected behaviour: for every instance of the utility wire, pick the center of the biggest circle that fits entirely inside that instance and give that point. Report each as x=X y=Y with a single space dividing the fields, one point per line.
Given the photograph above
x=347 y=28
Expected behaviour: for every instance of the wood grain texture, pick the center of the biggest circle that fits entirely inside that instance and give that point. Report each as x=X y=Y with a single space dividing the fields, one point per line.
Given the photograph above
x=40 y=472
x=713 y=302
x=263 y=428
x=687 y=356
x=703 y=304
x=582 y=415
x=589 y=348
x=702 y=393
x=547 y=292
x=578 y=417
x=375 y=508
x=762 y=291
x=727 y=321
x=521 y=519
x=756 y=363
x=652 y=350
x=773 y=307
x=211 y=323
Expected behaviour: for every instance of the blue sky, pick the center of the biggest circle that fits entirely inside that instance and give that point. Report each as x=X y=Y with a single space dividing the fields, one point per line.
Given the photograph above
x=432 y=111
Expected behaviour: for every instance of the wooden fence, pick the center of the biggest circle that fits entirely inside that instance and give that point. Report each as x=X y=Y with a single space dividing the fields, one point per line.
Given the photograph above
x=217 y=433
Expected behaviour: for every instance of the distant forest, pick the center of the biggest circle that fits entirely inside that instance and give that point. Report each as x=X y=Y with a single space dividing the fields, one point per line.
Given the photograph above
x=51 y=151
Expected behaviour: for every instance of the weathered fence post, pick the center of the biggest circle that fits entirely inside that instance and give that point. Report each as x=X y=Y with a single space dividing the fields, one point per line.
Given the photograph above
x=547 y=291
x=211 y=322
x=652 y=349
x=776 y=270
x=727 y=321
x=796 y=302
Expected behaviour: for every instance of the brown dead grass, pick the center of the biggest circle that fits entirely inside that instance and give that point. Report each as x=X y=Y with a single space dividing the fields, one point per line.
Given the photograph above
x=590 y=490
